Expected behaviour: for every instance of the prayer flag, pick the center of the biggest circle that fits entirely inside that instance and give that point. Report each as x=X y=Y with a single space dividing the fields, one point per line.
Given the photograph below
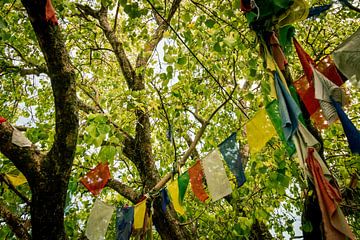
x=16 y=180
x=317 y=10
x=139 y=214
x=335 y=225
x=124 y=222
x=19 y=139
x=2 y=120
x=277 y=52
x=97 y=178
x=289 y=110
x=305 y=60
x=173 y=189
x=50 y=14
x=352 y=134
x=259 y=131
x=196 y=179
x=297 y=12
x=164 y=199
x=216 y=178
x=183 y=181
x=231 y=154
x=98 y=221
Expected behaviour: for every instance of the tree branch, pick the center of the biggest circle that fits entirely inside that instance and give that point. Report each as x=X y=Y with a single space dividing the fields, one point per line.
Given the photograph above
x=124 y=190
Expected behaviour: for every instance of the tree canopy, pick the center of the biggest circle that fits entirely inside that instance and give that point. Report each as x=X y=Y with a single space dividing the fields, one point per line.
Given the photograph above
x=150 y=87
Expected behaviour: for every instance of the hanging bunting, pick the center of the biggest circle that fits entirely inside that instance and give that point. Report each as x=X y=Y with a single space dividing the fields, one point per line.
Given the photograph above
x=124 y=222
x=50 y=14
x=183 y=182
x=16 y=180
x=173 y=189
x=259 y=131
x=98 y=221
x=352 y=134
x=196 y=179
x=97 y=178
x=317 y=10
x=297 y=12
x=19 y=139
x=216 y=178
x=289 y=110
x=347 y=57
x=164 y=199
x=277 y=52
x=2 y=120
x=231 y=155
x=335 y=225
x=139 y=214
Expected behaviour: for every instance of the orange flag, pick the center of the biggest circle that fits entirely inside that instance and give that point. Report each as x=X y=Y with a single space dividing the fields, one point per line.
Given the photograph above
x=196 y=179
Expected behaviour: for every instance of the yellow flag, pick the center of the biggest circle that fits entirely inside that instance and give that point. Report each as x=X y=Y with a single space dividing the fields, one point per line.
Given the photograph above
x=297 y=12
x=173 y=189
x=259 y=131
x=139 y=214
x=16 y=180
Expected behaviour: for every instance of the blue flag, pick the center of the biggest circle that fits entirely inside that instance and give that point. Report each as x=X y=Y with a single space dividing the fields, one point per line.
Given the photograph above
x=164 y=199
x=124 y=222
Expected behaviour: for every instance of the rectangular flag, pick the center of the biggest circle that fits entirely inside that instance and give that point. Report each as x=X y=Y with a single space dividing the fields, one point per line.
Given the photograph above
x=124 y=222
x=173 y=189
x=139 y=214
x=196 y=179
x=97 y=178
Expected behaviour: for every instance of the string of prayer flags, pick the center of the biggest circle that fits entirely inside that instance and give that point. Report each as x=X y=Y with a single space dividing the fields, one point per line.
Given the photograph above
x=50 y=15
x=231 y=155
x=196 y=179
x=124 y=222
x=289 y=110
x=352 y=134
x=277 y=52
x=298 y=11
x=335 y=225
x=164 y=199
x=317 y=10
x=173 y=189
x=259 y=131
x=97 y=178
x=16 y=180
x=139 y=214
x=2 y=120
x=347 y=57
x=216 y=178
x=183 y=181
x=98 y=221
x=19 y=139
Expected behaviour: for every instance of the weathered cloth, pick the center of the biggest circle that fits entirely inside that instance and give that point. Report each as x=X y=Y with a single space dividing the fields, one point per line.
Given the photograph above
x=277 y=52
x=124 y=222
x=164 y=199
x=97 y=178
x=297 y=12
x=139 y=214
x=50 y=15
x=317 y=10
x=173 y=189
x=2 y=119
x=16 y=180
x=196 y=179
x=19 y=139
x=183 y=181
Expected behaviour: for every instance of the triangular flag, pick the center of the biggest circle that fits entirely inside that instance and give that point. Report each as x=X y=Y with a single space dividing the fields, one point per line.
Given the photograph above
x=16 y=180
x=164 y=199
x=231 y=154
x=196 y=178
x=139 y=214
x=216 y=178
x=97 y=178
x=259 y=131
x=124 y=222
x=173 y=189
x=183 y=181
x=98 y=221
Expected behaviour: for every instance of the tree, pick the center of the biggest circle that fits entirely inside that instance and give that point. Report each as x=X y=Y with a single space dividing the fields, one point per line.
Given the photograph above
x=114 y=82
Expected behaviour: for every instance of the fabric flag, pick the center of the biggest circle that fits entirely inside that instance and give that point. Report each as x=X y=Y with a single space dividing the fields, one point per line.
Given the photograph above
x=164 y=199
x=16 y=180
x=277 y=52
x=196 y=179
x=289 y=110
x=2 y=120
x=259 y=131
x=246 y=5
x=19 y=139
x=98 y=221
x=352 y=134
x=97 y=178
x=273 y=112
x=231 y=154
x=297 y=12
x=183 y=181
x=50 y=14
x=324 y=89
x=305 y=60
x=347 y=57
x=139 y=214
x=124 y=222
x=317 y=10
x=335 y=225
x=173 y=189
x=216 y=178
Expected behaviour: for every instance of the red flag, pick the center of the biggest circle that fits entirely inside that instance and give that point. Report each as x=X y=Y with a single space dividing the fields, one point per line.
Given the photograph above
x=97 y=178
x=277 y=52
x=305 y=60
x=196 y=179
x=50 y=14
x=2 y=120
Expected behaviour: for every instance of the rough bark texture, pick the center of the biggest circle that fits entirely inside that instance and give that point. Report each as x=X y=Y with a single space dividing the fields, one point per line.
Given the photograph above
x=14 y=222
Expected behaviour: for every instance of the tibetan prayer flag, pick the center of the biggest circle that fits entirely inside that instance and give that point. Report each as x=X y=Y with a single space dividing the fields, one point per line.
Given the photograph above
x=352 y=134
x=335 y=225
x=259 y=131
x=347 y=57
x=273 y=112
x=231 y=154
x=98 y=221
x=50 y=14
x=277 y=52
x=173 y=189
x=216 y=178
x=97 y=178
x=19 y=139
x=183 y=181
x=16 y=180
x=2 y=120
x=164 y=199
x=297 y=12
x=196 y=179
x=124 y=222
x=139 y=214
x=289 y=110
x=305 y=60
x=317 y=10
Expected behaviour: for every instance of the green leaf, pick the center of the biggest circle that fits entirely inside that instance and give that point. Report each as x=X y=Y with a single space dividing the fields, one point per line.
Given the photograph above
x=182 y=60
x=210 y=23
x=107 y=153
